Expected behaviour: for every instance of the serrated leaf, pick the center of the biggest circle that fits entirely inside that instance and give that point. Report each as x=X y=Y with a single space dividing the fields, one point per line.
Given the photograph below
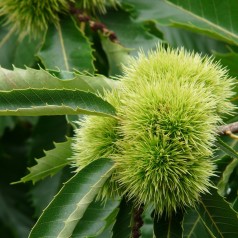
x=53 y=161
x=97 y=218
x=66 y=48
x=226 y=148
x=193 y=226
x=40 y=98
x=42 y=102
x=122 y=227
x=68 y=207
x=41 y=79
x=165 y=226
x=217 y=215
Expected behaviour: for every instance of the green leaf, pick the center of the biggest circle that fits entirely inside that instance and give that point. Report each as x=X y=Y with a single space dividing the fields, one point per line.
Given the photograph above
x=131 y=34
x=147 y=228
x=178 y=37
x=223 y=185
x=53 y=161
x=122 y=227
x=96 y=219
x=44 y=134
x=165 y=226
x=68 y=207
x=207 y=17
x=66 y=48
x=36 y=92
x=235 y=204
x=15 y=52
x=41 y=79
x=116 y=55
x=193 y=226
x=217 y=215
x=49 y=187
x=226 y=148
x=38 y=102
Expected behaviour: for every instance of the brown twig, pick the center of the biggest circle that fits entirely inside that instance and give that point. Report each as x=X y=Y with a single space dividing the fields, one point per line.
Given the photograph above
x=229 y=129
x=82 y=17
x=137 y=221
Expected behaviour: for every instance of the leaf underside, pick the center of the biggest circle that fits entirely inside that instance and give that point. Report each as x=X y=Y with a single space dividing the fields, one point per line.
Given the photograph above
x=64 y=212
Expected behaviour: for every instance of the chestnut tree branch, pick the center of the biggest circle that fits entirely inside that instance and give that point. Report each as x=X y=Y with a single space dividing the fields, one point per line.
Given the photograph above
x=228 y=129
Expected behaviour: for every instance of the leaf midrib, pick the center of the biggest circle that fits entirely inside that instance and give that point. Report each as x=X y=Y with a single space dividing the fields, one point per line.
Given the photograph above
x=229 y=33
x=212 y=220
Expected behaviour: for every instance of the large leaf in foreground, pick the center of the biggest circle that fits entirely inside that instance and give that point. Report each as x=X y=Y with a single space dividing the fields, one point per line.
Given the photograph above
x=41 y=79
x=38 y=102
x=68 y=207
x=53 y=161
x=97 y=218
x=193 y=225
x=33 y=92
x=209 y=17
x=217 y=215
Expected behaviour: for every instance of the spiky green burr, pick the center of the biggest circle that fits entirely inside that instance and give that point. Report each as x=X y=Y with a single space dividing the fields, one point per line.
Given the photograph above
x=32 y=17
x=96 y=138
x=169 y=106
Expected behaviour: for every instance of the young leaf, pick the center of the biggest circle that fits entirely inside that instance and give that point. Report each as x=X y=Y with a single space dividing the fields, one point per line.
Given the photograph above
x=96 y=219
x=217 y=215
x=66 y=47
x=68 y=207
x=168 y=226
x=53 y=161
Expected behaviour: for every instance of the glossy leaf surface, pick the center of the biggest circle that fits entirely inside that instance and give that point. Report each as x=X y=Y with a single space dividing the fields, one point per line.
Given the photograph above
x=68 y=207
